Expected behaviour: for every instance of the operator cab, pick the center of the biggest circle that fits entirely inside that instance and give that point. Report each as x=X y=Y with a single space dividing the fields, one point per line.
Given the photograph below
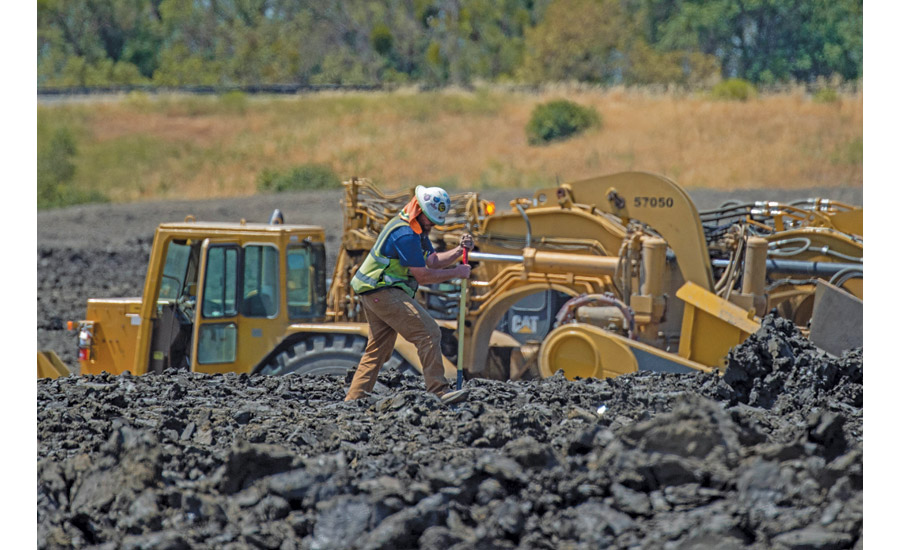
x=227 y=292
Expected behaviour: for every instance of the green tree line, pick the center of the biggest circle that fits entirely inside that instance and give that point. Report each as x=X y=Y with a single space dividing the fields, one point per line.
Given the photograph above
x=441 y=42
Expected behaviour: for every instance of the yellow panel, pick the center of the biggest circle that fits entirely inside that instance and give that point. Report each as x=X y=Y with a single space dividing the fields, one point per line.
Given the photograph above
x=849 y=221
x=49 y=365
x=855 y=287
x=615 y=359
x=712 y=338
x=711 y=326
x=115 y=332
x=256 y=337
x=572 y=353
x=710 y=303
x=587 y=352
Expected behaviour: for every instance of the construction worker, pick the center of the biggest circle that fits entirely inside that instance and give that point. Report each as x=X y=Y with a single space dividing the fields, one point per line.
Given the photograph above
x=386 y=282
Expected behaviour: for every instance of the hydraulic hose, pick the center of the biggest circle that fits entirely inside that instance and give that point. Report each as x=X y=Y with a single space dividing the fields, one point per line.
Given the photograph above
x=798 y=267
x=567 y=311
x=845 y=275
x=527 y=225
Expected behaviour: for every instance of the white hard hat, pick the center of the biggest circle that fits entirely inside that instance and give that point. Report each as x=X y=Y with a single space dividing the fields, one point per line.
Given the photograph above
x=435 y=203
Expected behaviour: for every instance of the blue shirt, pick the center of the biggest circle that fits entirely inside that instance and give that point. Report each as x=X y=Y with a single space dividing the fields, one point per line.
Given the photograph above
x=409 y=248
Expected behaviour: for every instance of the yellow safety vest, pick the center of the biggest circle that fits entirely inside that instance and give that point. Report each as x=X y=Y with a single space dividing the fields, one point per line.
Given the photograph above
x=379 y=271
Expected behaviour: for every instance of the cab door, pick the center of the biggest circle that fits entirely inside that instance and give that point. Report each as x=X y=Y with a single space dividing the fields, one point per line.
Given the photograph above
x=261 y=315
x=215 y=338
x=239 y=317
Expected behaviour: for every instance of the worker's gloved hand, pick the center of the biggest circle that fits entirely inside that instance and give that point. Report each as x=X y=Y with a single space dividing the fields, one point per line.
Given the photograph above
x=463 y=271
x=467 y=241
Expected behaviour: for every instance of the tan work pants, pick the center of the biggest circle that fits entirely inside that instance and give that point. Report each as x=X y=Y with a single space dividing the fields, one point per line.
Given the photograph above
x=391 y=311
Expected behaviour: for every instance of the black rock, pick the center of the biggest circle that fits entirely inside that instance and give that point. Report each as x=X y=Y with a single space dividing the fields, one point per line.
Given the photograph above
x=183 y=460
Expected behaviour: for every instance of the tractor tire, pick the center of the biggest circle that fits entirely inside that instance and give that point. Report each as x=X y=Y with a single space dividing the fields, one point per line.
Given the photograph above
x=324 y=354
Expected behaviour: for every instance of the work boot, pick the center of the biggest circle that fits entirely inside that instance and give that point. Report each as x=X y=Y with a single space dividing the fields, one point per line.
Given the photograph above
x=454 y=396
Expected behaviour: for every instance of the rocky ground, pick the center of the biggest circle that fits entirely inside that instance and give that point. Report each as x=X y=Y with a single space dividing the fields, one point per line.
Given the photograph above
x=768 y=456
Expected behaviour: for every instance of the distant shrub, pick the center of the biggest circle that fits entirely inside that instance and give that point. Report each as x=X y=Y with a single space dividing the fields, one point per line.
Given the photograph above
x=67 y=196
x=558 y=120
x=433 y=54
x=299 y=178
x=734 y=89
x=826 y=95
x=55 y=170
x=382 y=39
x=395 y=77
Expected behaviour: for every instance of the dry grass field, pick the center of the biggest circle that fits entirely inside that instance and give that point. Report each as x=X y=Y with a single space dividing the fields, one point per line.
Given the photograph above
x=142 y=147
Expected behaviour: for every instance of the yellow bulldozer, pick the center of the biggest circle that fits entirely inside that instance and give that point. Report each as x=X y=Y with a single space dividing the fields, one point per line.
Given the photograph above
x=596 y=278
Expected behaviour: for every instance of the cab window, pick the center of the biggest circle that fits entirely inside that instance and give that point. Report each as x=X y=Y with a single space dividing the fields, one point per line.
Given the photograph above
x=217 y=343
x=220 y=287
x=306 y=286
x=299 y=291
x=177 y=257
x=260 y=289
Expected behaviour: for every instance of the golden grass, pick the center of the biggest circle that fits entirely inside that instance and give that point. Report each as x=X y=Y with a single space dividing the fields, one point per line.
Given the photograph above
x=148 y=149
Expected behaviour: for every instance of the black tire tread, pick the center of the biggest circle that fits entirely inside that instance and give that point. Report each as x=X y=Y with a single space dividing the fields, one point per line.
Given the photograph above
x=320 y=354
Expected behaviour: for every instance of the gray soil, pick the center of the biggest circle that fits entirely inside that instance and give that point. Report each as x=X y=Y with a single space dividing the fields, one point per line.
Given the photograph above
x=768 y=456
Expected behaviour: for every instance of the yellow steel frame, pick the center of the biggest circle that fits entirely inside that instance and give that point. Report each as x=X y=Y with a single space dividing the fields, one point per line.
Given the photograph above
x=49 y=365
x=651 y=199
x=711 y=326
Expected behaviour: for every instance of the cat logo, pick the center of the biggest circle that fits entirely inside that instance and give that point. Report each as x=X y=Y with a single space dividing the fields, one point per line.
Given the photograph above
x=524 y=324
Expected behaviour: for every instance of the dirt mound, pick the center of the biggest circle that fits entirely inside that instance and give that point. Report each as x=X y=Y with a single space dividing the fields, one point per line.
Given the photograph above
x=778 y=369
x=649 y=460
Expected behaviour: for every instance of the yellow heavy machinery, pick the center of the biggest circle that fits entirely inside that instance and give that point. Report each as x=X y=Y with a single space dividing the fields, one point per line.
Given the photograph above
x=653 y=284
x=599 y=277
x=225 y=297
